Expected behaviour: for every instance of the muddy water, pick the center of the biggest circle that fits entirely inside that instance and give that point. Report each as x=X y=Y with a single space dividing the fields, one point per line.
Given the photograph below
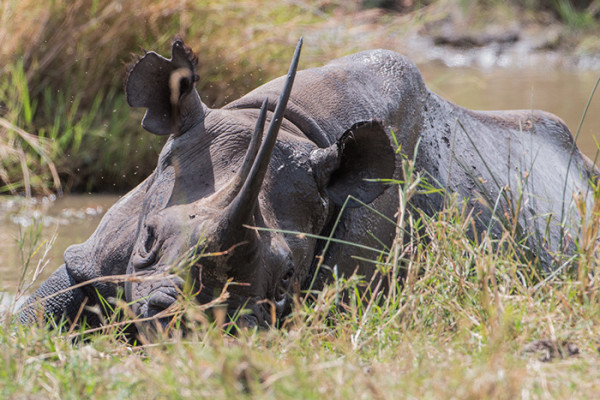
x=60 y=223
x=564 y=93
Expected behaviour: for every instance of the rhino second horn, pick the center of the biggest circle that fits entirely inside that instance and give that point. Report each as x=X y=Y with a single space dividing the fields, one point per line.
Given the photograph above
x=241 y=208
x=250 y=157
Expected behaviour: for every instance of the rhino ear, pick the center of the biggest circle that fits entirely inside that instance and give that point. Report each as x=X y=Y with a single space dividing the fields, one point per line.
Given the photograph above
x=158 y=84
x=364 y=152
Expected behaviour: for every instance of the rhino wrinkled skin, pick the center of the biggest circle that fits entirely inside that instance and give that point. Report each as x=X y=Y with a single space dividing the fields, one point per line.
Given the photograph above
x=210 y=186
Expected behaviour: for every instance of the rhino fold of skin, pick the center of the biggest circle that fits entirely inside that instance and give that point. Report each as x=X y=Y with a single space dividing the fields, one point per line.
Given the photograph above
x=336 y=133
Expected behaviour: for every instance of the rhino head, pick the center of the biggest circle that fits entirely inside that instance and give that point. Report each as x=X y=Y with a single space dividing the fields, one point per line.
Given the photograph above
x=217 y=179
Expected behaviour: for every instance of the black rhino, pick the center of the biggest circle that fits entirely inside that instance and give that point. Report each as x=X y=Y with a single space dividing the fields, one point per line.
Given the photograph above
x=216 y=178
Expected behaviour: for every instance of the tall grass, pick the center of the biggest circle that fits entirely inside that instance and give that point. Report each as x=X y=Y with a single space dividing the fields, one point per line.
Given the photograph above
x=471 y=319
x=25 y=159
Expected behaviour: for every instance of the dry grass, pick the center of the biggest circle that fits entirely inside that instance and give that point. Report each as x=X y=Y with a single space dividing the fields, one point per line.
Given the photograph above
x=471 y=319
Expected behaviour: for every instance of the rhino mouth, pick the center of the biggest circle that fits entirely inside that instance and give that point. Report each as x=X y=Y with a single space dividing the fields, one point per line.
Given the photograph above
x=159 y=309
x=248 y=311
x=159 y=306
x=160 y=301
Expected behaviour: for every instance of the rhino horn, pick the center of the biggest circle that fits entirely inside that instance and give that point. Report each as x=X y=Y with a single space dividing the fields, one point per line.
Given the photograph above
x=241 y=208
x=250 y=157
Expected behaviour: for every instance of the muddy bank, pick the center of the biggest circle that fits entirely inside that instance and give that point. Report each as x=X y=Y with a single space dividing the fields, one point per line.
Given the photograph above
x=500 y=46
x=504 y=36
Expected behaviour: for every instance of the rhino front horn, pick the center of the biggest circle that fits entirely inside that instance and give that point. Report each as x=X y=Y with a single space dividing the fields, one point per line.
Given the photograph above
x=242 y=206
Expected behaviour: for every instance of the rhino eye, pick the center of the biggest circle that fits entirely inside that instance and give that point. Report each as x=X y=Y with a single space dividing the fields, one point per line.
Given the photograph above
x=284 y=284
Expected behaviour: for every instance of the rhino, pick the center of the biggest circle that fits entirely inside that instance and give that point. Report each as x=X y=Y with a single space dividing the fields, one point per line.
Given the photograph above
x=256 y=209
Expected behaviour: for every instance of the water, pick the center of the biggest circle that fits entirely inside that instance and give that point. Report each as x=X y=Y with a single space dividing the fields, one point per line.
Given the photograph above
x=66 y=221
x=562 y=92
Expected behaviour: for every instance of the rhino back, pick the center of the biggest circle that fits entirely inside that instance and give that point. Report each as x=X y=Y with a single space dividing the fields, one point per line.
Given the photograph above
x=524 y=159
x=372 y=85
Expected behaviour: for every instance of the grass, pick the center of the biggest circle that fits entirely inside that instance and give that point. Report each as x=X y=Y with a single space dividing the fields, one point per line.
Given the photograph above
x=471 y=319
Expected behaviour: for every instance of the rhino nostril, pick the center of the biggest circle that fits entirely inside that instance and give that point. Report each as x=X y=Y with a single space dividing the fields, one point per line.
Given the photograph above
x=150 y=239
x=146 y=253
x=285 y=281
x=287 y=278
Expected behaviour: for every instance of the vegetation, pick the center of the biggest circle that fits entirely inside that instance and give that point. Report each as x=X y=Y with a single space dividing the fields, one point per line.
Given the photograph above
x=470 y=319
